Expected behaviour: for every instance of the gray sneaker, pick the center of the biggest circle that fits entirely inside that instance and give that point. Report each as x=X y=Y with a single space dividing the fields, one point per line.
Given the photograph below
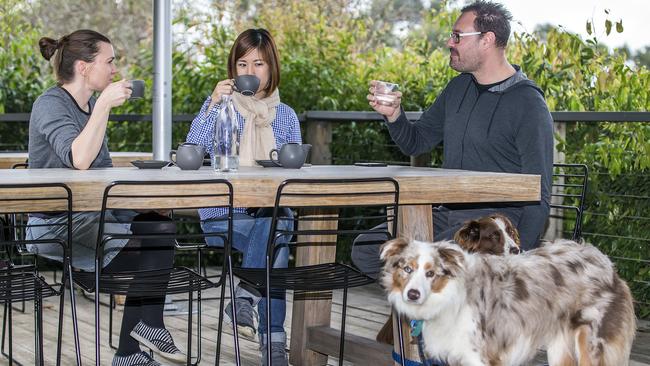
x=247 y=318
x=278 y=354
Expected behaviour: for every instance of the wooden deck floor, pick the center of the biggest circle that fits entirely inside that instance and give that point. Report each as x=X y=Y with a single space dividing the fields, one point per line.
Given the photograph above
x=367 y=311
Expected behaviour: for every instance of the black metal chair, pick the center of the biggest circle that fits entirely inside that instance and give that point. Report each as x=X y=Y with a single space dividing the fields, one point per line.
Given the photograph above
x=23 y=282
x=162 y=195
x=568 y=195
x=352 y=207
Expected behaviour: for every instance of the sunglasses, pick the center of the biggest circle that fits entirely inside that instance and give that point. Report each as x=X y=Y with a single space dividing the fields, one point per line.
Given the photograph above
x=456 y=37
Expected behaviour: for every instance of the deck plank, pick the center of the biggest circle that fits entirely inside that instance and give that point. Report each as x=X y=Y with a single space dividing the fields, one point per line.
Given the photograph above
x=367 y=312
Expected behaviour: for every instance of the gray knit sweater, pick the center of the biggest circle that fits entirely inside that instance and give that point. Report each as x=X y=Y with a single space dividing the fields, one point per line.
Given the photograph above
x=55 y=122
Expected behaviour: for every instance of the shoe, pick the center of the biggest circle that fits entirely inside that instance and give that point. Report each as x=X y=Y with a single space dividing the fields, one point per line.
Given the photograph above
x=158 y=340
x=135 y=359
x=278 y=354
x=247 y=318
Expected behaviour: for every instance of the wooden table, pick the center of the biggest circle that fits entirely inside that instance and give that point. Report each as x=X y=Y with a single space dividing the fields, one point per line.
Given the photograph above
x=255 y=187
x=120 y=158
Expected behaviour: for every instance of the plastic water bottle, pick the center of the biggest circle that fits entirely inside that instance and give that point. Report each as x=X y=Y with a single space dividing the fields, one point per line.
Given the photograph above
x=225 y=142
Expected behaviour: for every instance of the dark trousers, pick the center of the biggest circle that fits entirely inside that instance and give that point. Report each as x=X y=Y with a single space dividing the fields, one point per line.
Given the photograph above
x=142 y=255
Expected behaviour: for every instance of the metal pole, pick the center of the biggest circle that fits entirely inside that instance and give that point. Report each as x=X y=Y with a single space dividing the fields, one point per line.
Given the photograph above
x=162 y=79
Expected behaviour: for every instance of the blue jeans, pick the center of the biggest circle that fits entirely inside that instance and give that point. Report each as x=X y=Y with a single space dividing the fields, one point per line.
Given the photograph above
x=250 y=236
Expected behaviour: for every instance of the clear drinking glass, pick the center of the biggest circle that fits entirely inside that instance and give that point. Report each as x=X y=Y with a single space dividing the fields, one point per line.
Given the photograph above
x=383 y=92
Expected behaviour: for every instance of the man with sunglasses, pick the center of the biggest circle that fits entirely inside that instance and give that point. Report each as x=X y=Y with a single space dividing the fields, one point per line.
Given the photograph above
x=491 y=117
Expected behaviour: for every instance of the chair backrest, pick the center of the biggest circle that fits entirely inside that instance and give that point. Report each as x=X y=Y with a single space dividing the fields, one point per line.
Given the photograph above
x=169 y=196
x=341 y=207
x=20 y=166
x=568 y=196
x=17 y=201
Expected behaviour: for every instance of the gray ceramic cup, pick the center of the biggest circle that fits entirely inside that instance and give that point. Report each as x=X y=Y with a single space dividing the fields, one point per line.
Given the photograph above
x=290 y=156
x=247 y=84
x=137 y=89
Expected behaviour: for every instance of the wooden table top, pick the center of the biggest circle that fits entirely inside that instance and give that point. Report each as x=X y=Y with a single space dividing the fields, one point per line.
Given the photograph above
x=256 y=186
x=120 y=158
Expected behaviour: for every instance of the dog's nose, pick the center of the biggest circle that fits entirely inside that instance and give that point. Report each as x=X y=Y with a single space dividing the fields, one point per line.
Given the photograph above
x=514 y=250
x=413 y=294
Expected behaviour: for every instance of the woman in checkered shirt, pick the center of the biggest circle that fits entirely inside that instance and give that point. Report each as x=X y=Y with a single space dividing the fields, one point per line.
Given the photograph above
x=264 y=123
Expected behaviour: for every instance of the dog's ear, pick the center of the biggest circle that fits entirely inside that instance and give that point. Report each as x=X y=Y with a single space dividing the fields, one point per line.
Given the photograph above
x=392 y=248
x=470 y=232
x=452 y=260
x=510 y=228
x=514 y=233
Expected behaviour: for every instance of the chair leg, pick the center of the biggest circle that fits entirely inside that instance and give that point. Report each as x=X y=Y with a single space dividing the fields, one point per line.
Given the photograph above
x=198 y=327
x=4 y=328
x=97 y=347
x=60 y=329
x=231 y=283
x=38 y=326
x=220 y=319
x=343 y=313
x=400 y=338
x=73 y=309
x=111 y=305
x=11 y=355
x=189 y=328
x=7 y=323
x=268 y=311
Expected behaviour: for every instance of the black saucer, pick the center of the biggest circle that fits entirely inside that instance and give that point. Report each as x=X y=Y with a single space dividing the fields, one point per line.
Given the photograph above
x=150 y=164
x=268 y=163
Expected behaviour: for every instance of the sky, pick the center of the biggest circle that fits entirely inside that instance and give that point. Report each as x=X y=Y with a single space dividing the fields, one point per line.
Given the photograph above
x=573 y=15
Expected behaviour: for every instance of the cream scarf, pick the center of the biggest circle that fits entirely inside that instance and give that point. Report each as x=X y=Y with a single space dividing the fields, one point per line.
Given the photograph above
x=257 y=139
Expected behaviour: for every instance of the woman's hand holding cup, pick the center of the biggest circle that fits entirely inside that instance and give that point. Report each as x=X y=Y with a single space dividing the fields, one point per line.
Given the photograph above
x=385 y=99
x=224 y=87
x=115 y=94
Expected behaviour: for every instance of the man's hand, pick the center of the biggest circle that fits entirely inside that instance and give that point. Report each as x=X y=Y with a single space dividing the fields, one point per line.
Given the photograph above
x=389 y=108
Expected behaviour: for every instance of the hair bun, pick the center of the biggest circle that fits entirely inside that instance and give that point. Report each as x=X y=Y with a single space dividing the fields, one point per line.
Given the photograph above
x=48 y=46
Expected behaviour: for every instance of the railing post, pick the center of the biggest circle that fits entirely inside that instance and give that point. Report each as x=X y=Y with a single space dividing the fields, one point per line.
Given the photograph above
x=319 y=135
x=554 y=228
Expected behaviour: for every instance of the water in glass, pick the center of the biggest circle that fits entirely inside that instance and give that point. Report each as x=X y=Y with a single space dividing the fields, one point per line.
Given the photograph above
x=225 y=143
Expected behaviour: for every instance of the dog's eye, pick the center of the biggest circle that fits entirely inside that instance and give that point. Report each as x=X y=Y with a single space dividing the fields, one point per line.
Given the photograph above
x=408 y=269
x=430 y=274
x=446 y=272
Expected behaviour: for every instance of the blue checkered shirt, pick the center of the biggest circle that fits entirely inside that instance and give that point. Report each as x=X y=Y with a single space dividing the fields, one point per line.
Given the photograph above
x=286 y=128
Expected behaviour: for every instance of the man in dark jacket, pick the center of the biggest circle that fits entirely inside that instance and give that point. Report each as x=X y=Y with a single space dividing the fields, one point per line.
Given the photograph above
x=491 y=117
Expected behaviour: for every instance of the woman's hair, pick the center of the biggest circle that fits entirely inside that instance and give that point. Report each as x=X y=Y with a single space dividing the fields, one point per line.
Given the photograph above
x=261 y=40
x=82 y=45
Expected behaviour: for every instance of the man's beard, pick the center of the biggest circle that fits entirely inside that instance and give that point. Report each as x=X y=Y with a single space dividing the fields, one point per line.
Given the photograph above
x=461 y=65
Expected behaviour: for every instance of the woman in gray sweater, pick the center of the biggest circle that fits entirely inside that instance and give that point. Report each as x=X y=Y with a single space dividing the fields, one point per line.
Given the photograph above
x=67 y=129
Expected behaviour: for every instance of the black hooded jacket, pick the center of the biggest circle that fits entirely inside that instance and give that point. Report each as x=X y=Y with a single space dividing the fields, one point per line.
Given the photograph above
x=506 y=128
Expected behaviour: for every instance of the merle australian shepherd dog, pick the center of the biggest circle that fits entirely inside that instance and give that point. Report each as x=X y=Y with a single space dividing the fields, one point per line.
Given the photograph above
x=499 y=310
x=494 y=234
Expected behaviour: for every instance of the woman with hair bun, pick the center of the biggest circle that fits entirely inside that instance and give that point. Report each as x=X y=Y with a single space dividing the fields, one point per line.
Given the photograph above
x=67 y=129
